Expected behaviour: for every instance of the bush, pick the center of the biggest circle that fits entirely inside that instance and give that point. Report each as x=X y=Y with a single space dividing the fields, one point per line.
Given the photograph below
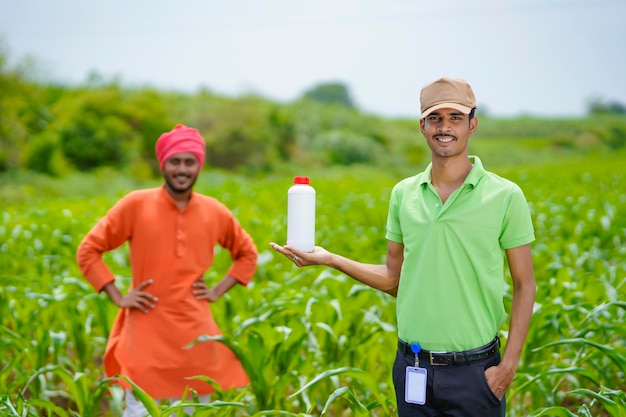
x=614 y=136
x=91 y=142
x=239 y=135
x=146 y=114
x=344 y=147
x=43 y=155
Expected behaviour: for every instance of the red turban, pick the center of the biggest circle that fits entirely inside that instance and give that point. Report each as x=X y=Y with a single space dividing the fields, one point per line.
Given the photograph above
x=178 y=140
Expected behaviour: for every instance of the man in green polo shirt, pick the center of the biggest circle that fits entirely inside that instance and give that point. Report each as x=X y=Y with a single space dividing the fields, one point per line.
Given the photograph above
x=449 y=229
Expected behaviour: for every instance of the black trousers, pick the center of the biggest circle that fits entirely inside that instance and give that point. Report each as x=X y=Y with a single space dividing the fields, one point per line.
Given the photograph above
x=451 y=390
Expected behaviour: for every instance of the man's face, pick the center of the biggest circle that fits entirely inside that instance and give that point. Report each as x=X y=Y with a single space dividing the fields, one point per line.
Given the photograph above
x=447 y=131
x=180 y=172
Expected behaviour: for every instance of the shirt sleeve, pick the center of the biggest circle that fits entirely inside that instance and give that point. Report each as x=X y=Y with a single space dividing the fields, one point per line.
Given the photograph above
x=517 y=227
x=394 y=231
x=109 y=233
x=242 y=250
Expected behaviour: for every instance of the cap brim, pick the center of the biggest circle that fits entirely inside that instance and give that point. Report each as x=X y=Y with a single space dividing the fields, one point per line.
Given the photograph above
x=456 y=106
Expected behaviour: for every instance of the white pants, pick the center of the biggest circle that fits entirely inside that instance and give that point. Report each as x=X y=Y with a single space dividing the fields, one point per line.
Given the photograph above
x=134 y=407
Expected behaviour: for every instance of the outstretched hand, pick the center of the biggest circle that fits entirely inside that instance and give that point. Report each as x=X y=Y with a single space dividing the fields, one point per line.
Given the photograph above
x=319 y=255
x=138 y=298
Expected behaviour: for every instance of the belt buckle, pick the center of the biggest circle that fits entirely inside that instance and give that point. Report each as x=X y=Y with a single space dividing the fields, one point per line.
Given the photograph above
x=431 y=357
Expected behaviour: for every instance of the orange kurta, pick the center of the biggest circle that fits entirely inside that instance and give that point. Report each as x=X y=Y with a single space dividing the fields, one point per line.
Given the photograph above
x=173 y=248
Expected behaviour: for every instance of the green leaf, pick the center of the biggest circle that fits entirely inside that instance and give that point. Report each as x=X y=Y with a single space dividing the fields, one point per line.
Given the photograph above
x=356 y=406
x=609 y=351
x=553 y=411
x=333 y=372
x=144 y=398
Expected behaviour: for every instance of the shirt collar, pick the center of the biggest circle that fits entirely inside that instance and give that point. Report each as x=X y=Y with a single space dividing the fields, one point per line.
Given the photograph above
x=167 y=197
x=472 y=178
x=476 y=173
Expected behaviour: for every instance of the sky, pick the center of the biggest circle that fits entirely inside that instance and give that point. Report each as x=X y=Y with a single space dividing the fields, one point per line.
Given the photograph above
x=522 y=57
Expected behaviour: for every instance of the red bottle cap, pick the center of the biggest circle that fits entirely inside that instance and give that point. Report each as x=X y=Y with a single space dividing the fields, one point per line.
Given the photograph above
x=301 y=180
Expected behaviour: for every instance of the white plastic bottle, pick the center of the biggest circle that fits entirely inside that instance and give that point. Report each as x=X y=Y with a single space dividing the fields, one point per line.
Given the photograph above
x=301 y=215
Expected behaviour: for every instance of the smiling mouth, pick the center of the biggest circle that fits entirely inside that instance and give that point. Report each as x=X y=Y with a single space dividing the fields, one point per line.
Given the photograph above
x=444 y=138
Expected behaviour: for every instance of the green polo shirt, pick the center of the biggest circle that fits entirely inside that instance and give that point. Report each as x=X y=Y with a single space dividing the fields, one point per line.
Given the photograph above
x=451 y=289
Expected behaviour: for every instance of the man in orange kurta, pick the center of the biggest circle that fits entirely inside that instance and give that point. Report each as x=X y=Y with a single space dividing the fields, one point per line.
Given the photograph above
x=172 y=233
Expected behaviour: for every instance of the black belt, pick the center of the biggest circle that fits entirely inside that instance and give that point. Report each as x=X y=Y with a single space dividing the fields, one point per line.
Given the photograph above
x=453 y=358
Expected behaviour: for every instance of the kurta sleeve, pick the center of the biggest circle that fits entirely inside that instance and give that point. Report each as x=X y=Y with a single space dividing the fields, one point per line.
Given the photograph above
x=109 y=233
x=242 y=249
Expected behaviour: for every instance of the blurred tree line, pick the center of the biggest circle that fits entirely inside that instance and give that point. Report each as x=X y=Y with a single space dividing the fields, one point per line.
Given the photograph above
x=56 y=129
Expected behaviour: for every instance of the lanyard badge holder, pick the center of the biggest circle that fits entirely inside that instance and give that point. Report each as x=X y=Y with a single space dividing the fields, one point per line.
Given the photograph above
x=415 y=386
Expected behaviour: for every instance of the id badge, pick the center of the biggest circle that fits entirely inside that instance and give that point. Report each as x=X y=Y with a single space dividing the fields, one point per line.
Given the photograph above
x=415 y=387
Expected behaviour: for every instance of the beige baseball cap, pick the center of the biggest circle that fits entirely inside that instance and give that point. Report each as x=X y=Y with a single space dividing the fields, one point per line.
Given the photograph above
x=447 y=92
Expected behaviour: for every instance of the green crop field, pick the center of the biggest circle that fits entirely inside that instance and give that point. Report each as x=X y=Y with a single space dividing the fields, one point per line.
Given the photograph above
x=313 y=341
